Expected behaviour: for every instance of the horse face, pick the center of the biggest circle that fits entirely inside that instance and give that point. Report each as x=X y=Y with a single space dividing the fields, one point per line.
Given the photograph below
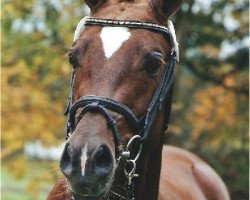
x=119 y=63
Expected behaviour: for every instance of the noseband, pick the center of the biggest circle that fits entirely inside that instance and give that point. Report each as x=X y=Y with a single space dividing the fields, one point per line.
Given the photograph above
x=141 y=125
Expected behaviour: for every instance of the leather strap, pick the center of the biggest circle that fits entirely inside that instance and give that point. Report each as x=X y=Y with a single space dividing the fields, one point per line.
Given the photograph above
x=141 y=126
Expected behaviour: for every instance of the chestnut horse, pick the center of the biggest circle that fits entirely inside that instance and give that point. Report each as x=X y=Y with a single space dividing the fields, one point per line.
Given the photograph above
x=123 y=60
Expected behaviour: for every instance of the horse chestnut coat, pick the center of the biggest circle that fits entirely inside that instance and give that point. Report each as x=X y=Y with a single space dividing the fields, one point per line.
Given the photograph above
x=125 y=65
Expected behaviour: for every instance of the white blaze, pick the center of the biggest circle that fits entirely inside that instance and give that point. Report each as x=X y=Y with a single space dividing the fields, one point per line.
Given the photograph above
x=113 y=38
x=84 y=159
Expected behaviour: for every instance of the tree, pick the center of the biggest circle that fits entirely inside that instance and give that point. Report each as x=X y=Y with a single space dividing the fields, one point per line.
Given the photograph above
x=211 y=90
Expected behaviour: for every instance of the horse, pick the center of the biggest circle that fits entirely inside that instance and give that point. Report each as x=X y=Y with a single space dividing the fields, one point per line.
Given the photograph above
x=123 y=59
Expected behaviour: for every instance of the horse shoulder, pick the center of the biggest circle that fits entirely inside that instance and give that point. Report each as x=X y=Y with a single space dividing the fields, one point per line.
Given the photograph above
x=60 y=191
x=186 y=176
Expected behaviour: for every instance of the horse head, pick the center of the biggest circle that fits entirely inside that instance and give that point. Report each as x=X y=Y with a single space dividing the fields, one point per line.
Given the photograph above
x=122 y=60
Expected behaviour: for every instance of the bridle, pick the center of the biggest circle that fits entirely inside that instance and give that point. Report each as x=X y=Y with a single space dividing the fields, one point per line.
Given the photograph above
x=141 y=126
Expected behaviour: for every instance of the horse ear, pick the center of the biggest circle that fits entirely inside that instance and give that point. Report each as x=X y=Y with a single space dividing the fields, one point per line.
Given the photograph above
x=93 y=4
x=165 y=8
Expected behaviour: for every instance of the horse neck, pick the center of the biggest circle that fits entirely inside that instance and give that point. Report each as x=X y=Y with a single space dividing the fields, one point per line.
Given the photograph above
x=149 y=167
x=149 y=164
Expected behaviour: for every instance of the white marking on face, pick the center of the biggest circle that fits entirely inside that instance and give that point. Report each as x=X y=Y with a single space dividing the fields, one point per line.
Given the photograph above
x=113 y=38
x=84 y=159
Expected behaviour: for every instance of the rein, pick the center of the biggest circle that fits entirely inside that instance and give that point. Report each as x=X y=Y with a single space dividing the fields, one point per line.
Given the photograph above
x=141 y=125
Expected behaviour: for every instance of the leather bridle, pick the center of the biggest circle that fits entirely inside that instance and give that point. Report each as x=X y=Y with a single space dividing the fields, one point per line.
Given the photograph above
x=140 y=125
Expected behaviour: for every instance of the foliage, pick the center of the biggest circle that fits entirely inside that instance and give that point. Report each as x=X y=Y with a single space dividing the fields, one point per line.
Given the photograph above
x=34 y=74
x=210 y=105
x=34 y=185
x=34 y=78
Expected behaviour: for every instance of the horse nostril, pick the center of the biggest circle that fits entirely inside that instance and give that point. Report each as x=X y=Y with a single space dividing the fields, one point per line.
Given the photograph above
x=103 y=161
x=65 y=163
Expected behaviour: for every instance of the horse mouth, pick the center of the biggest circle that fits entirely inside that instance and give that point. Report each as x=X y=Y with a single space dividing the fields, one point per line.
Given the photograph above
x=89 y=185
x=87 y=190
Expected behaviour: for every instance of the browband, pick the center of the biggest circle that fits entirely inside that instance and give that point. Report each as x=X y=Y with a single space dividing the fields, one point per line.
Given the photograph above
x=169 y=31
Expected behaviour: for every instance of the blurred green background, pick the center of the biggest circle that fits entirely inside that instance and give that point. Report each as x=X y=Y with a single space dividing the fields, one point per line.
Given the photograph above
x=210 y=106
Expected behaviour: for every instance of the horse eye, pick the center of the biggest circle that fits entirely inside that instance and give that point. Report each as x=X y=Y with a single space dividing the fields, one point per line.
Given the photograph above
x=73 y=60
x=152 y=64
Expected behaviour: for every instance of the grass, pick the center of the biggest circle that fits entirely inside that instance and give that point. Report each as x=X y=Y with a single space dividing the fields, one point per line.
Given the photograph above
x=34 y=183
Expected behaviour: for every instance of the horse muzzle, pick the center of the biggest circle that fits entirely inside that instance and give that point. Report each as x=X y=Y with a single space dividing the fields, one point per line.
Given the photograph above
x=89 y=170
